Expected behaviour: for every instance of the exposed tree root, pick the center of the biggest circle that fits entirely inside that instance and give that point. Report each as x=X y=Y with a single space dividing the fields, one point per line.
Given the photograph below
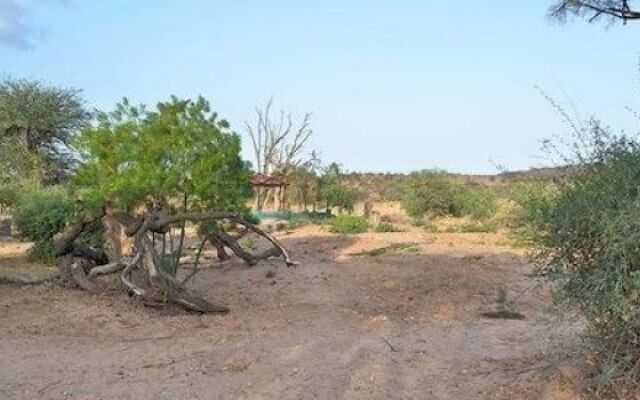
x=145 y=276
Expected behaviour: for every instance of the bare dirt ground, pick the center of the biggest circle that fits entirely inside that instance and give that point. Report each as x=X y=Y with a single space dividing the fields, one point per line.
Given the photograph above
x=404 y=324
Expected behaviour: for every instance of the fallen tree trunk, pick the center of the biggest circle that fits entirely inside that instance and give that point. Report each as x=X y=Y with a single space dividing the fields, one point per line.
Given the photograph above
x=144 y=275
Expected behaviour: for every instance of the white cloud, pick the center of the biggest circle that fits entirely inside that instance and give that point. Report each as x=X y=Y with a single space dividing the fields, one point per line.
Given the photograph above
x=15 y=30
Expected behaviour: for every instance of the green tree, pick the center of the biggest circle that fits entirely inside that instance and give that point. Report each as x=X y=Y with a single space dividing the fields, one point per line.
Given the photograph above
x=150 y=171
x=304 y=187
x=39 y=121
x=333 y=192
x=182 y=150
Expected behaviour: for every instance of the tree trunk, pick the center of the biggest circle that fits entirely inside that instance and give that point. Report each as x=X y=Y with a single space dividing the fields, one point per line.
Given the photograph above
x=143 y=275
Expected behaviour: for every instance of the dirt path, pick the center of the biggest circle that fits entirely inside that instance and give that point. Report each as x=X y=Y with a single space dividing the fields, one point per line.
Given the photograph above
x=401 y=325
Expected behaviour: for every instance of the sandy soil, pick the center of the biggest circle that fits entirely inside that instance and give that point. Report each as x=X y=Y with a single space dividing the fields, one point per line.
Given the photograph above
x=405 y=324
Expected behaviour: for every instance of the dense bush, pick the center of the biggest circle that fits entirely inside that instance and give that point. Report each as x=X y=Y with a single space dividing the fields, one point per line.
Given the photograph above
x=428 y=192
x=586 y=235
x=348 y=224
x=42 y=213
x=434 y=193
x=475 y=202
x=338 y=195
x=529 y=202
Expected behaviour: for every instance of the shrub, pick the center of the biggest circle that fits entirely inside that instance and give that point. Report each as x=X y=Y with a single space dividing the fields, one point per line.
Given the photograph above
x=42 y=213
x=42 y=251
x=586 y=235
x=530 y=200
x=428 y=193
x=477 y=203
x=339 y=195
x=254 y=218
x=348 y=224
x=433 y=193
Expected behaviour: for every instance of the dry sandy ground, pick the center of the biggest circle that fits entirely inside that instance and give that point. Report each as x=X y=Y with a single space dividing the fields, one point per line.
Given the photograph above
x=402 y=325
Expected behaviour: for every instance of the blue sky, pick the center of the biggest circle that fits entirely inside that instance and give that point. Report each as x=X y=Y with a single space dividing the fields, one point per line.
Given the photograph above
x=393 y=86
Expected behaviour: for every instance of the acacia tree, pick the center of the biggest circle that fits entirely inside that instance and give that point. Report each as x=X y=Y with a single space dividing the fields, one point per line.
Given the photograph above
x=277 y=147
x=149 y=171
x=39 y=121
x=593 y=10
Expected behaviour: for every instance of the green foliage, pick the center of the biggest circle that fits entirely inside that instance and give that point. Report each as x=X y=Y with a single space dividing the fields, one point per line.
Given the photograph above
x=41 y=213
x=39 y=121
x=348 y=224
x=338 y=195
x=434 y=194
x=428 y=193
x=20 y=170
x=475 y=202
x=251 y=217
x=586 y=236
x=42 y=251
x=334 y=193
x=133 y=157
x=530 y=201
x=304 y=186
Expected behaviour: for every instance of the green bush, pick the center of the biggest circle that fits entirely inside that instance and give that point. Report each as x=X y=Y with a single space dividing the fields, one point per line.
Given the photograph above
x=251 y=217
x=428 y=193
x=530 y=200
x=336 y=194
x=477 y=203
x=348 y=224
x=42 y=251
x=586 y=235
x=434 y=194
x=42 y=213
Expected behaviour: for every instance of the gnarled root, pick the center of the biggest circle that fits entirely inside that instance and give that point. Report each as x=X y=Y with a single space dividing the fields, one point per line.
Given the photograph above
x=144 y=276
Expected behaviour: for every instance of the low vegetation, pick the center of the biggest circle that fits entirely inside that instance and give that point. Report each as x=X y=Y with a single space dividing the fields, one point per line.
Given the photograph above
x=586 y=235
x=434 y=194
x=42 y=213
x=348 y=224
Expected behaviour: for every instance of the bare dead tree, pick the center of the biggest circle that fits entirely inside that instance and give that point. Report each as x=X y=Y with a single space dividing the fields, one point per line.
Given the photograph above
x=592 y=10
x=142 y=274
x=277 y=145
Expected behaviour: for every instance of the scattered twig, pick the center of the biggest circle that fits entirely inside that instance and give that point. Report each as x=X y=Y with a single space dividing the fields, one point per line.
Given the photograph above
x=393 y=349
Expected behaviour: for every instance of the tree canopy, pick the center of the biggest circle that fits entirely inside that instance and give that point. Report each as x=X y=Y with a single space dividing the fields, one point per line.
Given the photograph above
x=593 y=10
x=132 y=157
x=142 y=173
x=39 y=121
